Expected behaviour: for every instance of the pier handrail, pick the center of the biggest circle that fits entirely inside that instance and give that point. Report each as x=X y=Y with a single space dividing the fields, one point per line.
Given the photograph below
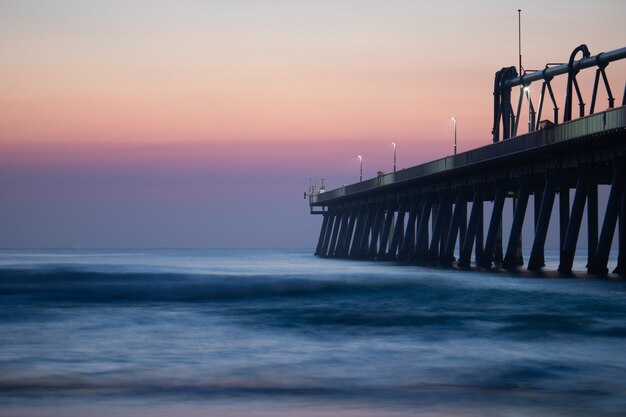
x=608 y=120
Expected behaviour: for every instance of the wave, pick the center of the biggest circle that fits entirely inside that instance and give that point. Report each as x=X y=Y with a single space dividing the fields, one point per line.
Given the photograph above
x=306 y=302
x=87 y=286
x=378 y=298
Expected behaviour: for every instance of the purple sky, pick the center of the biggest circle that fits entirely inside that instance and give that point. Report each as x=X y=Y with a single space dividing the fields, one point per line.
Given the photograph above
x=198 y=124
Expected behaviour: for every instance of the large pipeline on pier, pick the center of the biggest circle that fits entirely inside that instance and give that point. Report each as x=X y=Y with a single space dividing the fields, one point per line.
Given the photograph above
x=601 y=59
x=506 y=120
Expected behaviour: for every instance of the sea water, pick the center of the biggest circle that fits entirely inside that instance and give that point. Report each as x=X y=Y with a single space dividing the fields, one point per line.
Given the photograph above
x=281 y=332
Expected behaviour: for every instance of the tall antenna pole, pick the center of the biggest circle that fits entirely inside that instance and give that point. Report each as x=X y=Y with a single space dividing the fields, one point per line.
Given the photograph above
x=519 y=38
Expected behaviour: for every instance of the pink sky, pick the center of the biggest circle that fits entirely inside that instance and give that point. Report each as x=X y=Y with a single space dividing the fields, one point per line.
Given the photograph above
x=200 y=124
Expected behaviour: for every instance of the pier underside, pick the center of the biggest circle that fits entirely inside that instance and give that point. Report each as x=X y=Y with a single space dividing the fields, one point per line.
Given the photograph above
x=452 y=211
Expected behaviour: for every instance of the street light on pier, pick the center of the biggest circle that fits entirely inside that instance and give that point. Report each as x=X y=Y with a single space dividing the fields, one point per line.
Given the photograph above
x=361 y=170
x=530 y=113
x=394 y=156
x=454 y=121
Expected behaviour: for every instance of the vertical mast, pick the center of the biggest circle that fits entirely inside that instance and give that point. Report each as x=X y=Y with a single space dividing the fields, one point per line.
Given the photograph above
x=519 y=38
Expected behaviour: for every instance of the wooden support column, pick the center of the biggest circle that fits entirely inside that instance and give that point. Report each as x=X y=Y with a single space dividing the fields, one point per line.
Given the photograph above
x=573 y=227
x=398 y=231
x=511 y=257
x=327 y=234
x=497 y=249
x=494 y=226
x=425 y=245
x=537 y=197
x=621 y=254
x=460 y=208
x=345 y=218
x=439 y=227
x=339 y=219
x=592 y=219
x=610 y=220
x=468 y=244
x=378 y=220
x=462 y=221
x=320 y=240
x=480 y=226
x=344 y=248
x=369 y=222
x=384 y=238
x=447 y=222
x=421 y=247
x=537 y=260
x=408 y=242
x=357 y=244
x=358 y=232
x=563 y=213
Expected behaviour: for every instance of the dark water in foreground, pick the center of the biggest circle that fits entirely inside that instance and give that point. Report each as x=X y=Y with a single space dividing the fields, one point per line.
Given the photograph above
x=280 y=332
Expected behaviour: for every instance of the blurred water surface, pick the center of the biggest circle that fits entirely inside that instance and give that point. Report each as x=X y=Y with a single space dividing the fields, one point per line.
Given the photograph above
x=281 y=332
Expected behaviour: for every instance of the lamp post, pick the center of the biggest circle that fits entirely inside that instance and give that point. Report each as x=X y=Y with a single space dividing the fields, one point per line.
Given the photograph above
x=531 y=110
x=361 y=170
x=394 y=156
x=454 y=121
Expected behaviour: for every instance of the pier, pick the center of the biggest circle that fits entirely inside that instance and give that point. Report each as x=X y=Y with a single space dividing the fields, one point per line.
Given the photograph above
x=434 y=213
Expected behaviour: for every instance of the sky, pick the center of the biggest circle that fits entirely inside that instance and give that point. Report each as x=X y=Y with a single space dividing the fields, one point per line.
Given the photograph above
x=195 y=123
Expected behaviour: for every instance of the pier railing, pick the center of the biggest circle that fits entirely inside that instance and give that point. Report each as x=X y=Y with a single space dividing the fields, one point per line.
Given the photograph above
x=612 y=119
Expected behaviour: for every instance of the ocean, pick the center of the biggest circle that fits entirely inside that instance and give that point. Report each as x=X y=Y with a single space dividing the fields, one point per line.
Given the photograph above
x=281 y=332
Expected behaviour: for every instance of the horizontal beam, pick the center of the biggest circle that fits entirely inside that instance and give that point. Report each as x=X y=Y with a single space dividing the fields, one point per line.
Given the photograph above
x=548 y=73
x=603 y=122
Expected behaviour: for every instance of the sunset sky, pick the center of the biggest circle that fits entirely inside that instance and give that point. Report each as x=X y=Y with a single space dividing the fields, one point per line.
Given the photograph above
x=152 y=123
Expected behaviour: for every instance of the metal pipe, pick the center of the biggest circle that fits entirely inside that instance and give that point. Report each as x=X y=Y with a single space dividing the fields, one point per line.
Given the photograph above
x=601 y=58
x=594 y=93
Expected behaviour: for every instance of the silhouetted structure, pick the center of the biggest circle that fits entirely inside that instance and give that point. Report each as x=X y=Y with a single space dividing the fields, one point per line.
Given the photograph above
x=419 y=214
